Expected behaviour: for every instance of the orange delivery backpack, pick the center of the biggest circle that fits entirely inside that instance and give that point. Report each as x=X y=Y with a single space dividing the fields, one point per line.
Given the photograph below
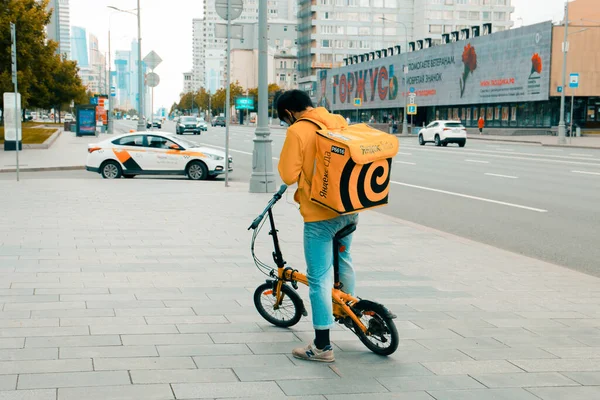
x=352 y=167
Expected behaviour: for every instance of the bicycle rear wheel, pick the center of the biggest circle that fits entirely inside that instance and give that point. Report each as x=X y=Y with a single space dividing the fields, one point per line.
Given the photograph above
x=381 y=336
x=286 y=314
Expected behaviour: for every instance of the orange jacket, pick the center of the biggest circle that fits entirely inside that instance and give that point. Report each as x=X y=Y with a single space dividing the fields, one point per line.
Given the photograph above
x=481 y=123
x=297 y=160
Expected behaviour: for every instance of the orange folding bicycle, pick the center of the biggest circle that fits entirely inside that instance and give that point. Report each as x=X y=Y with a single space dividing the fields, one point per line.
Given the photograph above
x=281 y=305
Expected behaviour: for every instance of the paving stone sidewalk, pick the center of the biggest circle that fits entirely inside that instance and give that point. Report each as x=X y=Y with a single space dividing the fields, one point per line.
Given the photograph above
x=142 y=289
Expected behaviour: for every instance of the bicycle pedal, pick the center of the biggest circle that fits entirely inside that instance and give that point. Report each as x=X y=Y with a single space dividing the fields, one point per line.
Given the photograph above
x=295 y=285
x=304 y=312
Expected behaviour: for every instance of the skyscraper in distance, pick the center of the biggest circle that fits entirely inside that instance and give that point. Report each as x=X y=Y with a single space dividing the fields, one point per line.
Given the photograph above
x=79 y=48
x=59 y=28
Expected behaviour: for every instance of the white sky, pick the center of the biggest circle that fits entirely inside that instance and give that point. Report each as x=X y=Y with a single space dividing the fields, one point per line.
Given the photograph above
x=167 y=29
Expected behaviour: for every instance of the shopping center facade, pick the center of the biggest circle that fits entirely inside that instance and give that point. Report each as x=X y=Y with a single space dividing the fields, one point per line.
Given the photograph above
x=510 y=78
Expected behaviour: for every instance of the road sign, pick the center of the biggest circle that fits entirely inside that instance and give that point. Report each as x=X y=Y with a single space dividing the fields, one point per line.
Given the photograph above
x=13 y=52
x=412 y=89
x=152 y=79
x=574 y=81
x=357 y=102
x=559 y=89
x=412 y=97
x=152 y=60
x=244 y=103
x=412 y=109
x=237 y=6
x=113 y=91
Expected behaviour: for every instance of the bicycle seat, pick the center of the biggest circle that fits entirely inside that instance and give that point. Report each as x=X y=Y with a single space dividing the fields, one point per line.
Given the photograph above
x=345 y=231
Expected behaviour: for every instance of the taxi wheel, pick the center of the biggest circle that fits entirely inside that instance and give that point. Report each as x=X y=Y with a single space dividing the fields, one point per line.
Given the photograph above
x=111 y=170
x=197 y=171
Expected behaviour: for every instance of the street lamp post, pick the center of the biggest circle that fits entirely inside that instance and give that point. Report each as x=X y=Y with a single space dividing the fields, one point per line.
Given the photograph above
x=262 y=179
x=141 y=125
x=405 y=72
x=561 y=124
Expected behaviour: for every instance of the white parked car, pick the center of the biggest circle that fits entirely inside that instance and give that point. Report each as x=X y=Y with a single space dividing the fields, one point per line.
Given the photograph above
x=68 y=117
x=135 y=118
x=443 y=132
x=150 y=153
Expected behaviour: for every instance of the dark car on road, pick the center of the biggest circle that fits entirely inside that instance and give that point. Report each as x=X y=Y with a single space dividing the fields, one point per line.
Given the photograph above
x=188 y=124
x=218 y=121
x=155 y=123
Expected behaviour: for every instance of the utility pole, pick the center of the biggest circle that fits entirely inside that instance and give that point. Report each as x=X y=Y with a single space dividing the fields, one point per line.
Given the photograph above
x=565 y=47
x=141 y=126
x=228 y=94
x=262 y=179
x=109 y=128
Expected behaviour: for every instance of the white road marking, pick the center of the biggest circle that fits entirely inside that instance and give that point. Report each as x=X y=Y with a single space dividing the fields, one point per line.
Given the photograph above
x=223 y=148
x=507 y=157
x=478 y=161
x=502 y=176
x=233 y=150
x=404 y=162
x=404 y=154
x=586 y=172
x=580 y=155
x=466 y=196
x=484 y=152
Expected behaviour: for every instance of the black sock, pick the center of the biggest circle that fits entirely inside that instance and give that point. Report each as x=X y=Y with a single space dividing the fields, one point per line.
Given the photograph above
x=321 y=338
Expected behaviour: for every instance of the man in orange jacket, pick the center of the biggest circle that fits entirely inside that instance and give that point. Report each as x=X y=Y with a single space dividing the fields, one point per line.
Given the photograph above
x=320 y=224
x=481 y=124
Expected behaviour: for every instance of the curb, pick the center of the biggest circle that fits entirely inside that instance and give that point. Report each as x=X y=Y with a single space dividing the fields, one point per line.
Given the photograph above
x=44 y=169
x=47 y=143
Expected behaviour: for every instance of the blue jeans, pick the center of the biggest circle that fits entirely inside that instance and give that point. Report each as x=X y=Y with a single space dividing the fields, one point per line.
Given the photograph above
x=318 y=251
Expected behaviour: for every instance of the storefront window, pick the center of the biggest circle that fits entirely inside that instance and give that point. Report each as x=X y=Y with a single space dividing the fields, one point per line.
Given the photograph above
x=513 y=116
x=591 y=113
x=475 y=115
x=455 y=114
x=521 y=115
x=468 y=116
x=490 y=114
x=505 y=110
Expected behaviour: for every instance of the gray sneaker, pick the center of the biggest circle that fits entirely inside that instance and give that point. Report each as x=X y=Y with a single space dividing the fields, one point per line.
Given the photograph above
x=311 y=353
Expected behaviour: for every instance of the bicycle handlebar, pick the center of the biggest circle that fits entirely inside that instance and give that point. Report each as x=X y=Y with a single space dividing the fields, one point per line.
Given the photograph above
x=276 y=197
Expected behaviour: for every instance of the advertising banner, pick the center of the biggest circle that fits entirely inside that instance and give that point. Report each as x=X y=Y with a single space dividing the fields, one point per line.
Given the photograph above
x=86 y=120
x=508 y=66
x=12 y=117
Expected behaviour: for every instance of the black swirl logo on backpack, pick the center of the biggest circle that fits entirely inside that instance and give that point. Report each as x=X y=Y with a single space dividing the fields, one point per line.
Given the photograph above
x=372 y=181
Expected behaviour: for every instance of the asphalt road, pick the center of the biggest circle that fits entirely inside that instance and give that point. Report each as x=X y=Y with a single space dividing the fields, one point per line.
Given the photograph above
x=537 y=201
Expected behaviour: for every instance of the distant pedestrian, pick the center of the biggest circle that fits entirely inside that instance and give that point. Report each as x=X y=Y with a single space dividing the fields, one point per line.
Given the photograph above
x=372 y=120
x=348 y=120
x=481 y=124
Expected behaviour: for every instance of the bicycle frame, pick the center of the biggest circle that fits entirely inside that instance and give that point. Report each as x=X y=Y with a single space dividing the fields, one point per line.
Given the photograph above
x=340 y=299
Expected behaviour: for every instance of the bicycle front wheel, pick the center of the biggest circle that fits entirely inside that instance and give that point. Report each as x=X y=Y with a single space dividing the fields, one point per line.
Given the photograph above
x=284 y=315
x=381 y=336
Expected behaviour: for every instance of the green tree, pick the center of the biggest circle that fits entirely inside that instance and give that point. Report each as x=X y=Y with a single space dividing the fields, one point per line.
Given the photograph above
x=30 y=18
x=132 y=112
x=202 y=99
x=185 y=102
x=173 y=108
x=65 y=85
x=218 y=99
x=38 y=64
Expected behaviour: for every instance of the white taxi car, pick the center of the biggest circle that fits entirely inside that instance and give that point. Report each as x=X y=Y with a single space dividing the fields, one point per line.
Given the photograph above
x=443 y=132
x=150 y=153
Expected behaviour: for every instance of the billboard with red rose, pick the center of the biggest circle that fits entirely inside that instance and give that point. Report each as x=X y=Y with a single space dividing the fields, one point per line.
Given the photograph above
x=508 y=66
